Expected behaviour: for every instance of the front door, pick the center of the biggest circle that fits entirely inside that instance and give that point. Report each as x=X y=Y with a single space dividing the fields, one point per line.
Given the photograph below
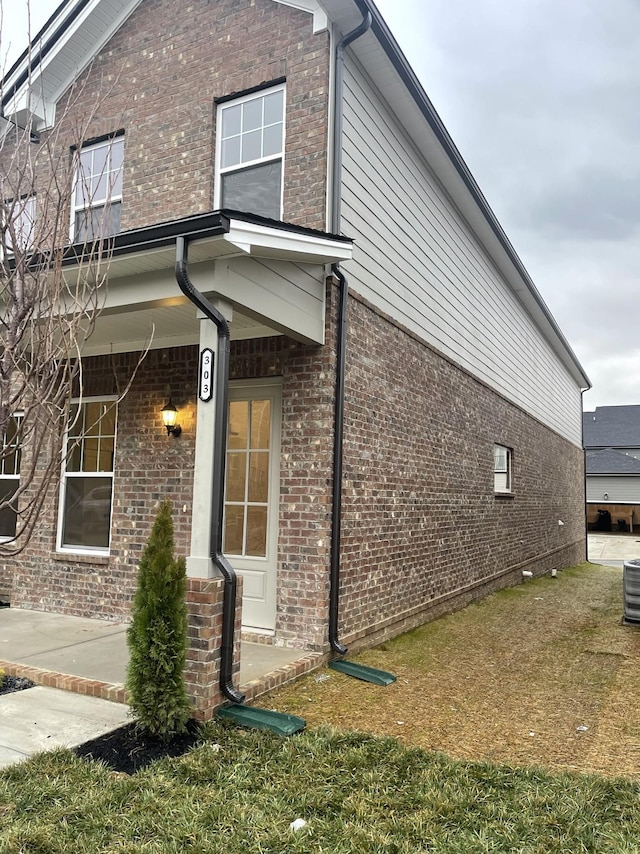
x=252 y=496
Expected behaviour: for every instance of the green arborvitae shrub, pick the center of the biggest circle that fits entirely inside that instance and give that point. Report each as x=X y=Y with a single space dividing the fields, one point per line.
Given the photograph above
x=157 y=636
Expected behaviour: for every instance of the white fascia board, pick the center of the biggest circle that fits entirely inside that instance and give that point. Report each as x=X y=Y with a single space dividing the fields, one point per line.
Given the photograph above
x=257 y=240
x=320 y=18
x=53 y=75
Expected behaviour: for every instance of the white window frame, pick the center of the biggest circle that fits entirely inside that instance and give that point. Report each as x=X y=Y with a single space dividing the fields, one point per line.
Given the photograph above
x=221 y=171
x=24 y=220
x=96 y=201
x=18 y=416
x=64 y=475
x=502 y=468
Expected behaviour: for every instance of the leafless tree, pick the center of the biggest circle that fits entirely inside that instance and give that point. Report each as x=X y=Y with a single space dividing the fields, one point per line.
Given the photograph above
x=52 y=289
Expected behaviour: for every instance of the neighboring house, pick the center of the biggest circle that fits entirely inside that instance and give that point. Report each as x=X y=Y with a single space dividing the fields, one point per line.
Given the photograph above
x=461 y=426
x=611 y=436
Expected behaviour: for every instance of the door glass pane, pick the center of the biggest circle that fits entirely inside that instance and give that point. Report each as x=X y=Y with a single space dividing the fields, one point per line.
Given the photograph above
x=260 y=423
x=257 y=531
x=236 y=475
x=233 y=529
x=238 y=424
x=259 y=476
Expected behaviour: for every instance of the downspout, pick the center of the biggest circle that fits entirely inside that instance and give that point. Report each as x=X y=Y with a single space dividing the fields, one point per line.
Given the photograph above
x=341 y=337
x=219 y=463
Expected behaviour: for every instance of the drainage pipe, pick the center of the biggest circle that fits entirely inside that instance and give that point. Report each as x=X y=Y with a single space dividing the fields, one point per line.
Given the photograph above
x=341 y=337
x=219 y=463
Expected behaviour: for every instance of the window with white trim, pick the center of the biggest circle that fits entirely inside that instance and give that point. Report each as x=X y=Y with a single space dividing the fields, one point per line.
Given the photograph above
x=87 y=478
x=250 y=153
x=502 y=460
x=22 y=212
x=97 y=191
x=10 y=476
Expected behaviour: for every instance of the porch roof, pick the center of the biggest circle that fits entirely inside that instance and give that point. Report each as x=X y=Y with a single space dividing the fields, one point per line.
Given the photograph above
x=271 y=273
x=212 y=235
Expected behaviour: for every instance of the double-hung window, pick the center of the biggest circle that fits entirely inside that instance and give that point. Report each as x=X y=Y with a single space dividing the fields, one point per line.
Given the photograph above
x=10 y=476
x=87 y=477
x=97 y=192
x=502 y=459
x=250 y=152
x=22 y=214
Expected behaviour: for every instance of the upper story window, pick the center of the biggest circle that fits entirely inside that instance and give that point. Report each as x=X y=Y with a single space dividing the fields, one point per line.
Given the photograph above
x=97 y=193
x=502 y=458
x=249 y=153
x=87 y=477
x=22 y=212
x=10 y=475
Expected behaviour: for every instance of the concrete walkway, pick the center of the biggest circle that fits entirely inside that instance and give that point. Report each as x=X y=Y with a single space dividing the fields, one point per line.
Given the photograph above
x=89 y=658
x=612 y=549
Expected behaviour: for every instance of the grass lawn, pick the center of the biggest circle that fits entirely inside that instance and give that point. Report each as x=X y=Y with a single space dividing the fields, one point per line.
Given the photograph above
x=240 y=791
x=544 y=659
x=509 y=679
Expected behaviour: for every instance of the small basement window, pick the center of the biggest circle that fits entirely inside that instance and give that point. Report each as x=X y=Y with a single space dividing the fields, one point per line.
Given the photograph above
x=502 y=460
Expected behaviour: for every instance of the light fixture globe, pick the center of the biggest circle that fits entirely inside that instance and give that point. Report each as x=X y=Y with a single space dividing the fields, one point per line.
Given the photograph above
x=169 y=418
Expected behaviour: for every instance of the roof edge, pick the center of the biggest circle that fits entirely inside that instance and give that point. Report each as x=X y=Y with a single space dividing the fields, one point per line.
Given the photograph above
x=411 y=81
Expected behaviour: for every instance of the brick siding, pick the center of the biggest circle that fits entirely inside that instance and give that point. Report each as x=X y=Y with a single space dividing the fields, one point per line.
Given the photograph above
x=158 y=77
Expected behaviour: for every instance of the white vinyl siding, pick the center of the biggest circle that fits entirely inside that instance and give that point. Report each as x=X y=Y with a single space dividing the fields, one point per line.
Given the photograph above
x=417 y=259
x=623 y=489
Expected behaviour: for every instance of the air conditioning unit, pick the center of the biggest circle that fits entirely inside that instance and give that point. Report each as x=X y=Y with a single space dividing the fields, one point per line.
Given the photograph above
x=631 y=592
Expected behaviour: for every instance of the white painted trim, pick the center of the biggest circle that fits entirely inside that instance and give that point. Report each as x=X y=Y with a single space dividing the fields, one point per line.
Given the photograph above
x=35 y=97
x=71 y=550
x=249 y=235
x=220 y=171
x=320 y=17
x=252 y=389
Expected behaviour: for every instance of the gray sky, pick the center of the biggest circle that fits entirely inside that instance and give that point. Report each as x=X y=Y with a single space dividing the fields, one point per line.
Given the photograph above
x=542 y=99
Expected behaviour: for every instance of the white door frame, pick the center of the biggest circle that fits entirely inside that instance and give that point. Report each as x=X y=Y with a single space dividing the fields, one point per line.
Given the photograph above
x=260 y=573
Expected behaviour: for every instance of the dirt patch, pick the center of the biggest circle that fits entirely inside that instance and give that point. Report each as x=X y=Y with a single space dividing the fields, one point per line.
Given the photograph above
x=542 y=674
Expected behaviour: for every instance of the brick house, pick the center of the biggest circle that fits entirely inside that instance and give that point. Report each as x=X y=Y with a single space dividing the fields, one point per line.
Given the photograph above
x=286 y=148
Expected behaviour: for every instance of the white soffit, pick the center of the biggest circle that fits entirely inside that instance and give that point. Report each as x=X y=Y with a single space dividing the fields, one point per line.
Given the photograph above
x=75 y=35
x=320 y=19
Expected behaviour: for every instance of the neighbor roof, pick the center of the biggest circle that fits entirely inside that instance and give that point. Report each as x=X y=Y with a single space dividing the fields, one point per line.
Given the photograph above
x=612 y=427
x=609 y=461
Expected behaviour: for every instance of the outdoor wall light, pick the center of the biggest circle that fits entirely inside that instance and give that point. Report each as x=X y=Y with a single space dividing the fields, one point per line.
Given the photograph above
x=169 y=416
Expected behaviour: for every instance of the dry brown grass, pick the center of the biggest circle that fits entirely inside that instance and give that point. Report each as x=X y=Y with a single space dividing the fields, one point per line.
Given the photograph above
x=507 y=680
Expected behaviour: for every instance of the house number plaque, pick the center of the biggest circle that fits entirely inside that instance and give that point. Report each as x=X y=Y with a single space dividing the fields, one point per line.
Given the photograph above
x=205 y=391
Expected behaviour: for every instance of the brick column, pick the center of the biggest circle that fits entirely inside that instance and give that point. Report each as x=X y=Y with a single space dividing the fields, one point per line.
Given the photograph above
x=202 y=667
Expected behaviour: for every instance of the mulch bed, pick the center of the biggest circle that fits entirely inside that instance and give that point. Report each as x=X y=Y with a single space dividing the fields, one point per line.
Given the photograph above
x=14 y=683
x=129 y=749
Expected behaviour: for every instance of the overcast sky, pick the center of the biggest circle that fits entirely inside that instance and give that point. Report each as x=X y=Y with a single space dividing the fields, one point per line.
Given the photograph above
x=542 y=98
